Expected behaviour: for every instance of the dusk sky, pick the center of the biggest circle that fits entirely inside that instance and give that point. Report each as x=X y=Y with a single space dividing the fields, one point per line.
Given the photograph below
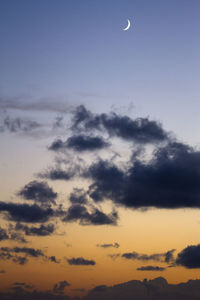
x=100 y=151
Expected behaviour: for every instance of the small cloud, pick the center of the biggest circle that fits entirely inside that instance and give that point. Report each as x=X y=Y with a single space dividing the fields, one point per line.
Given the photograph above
x=150 y=268
x=80 y=261
x=114 y=245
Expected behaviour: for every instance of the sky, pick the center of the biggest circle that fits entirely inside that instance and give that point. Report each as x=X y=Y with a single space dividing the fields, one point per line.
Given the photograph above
x=99 y=156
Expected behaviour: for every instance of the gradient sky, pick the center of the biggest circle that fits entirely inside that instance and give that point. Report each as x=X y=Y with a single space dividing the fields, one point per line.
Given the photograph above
x=58 y=55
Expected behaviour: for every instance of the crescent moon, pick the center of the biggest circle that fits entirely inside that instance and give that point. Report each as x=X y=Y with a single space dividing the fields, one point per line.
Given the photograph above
x=128 y=26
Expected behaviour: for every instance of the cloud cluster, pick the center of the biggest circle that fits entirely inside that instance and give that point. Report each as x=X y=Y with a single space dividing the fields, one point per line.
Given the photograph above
x=8 y=253
x=42 y=230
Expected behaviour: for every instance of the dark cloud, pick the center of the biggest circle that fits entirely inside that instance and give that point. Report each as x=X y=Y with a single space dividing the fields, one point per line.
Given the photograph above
x=140 y=130
x=26 y=213
x=82 y=143
x=157 y=288
x=3 y=234
x=80 y=261
x=18 y=125
x=115 y=245
x=15 y=236
x=57 y=145
x=171 y=179
x=23 y=291
x=25 y=250
x=42 y=230
x=11 y=235
x=150 y=268
x=8 y=253
x=79 y=143
x=58 y=174
x=189 y=257
x=19 y=260
x=80 y=213
x=78 y=196
x=60 y=287
x=163 y=257
x=39 y=192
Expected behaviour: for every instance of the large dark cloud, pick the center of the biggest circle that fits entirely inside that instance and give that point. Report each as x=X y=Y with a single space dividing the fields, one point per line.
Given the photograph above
x=39 y=192
x=80 y=213
x=114 y=245
x=171 y=179
x=80 y=261
x=151 y=268
x=157 y=288
x=140 y=130
x=163 y=257
x=26 y=213
x=189 y=257
x=42 y=230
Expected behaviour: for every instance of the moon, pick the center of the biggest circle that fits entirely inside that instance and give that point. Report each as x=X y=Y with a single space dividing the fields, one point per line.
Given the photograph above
x=128 y=26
